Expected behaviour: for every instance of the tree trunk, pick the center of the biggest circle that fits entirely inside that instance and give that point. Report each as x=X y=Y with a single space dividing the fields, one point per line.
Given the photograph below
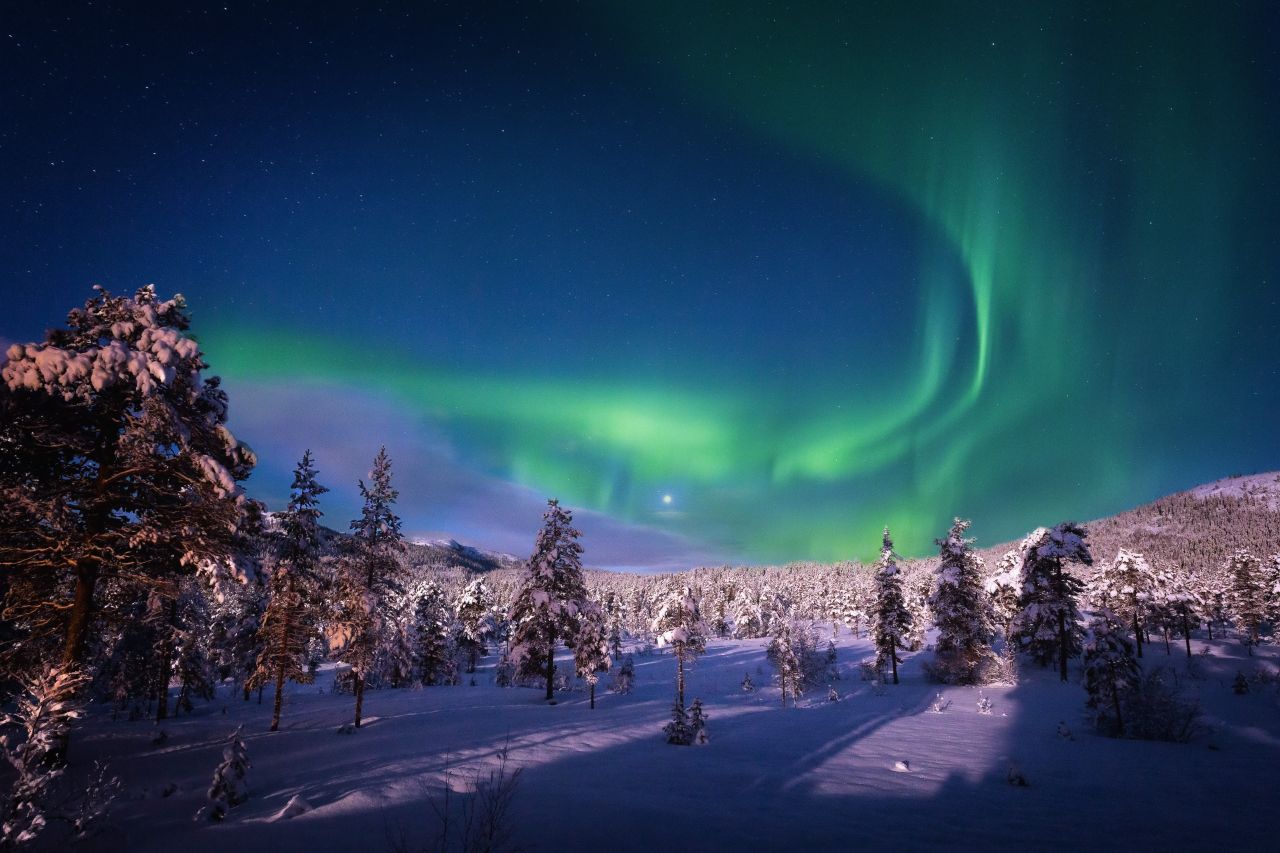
x=593 y=695
x=358 y=684
x=1167 y=650
x=1186 y=631
x=275 y=711
x=893 y=660
x=1137 y=631
x=1062 y=645
x=81 y=610
x=680 y=677
x=162 y=689
x=261 y=687
x=1115 y=701
x=551 y=666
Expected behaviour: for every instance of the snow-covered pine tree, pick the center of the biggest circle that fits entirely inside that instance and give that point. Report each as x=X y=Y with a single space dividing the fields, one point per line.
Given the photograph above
x=367 y=573
x=43 y=716
x=1004 y=588
x=625 y=677
x=679 y=625
x=474 y=624
x=787 y=664
x=228 y=788
x=591 y=649
x=698 y=724
x=962 y=611
x=1110 y=670
x=289 y=622
x=890 y=619
x=1124 y=586
x=1247 y=595
x=1049 y=623
x=677 y=730
x=551 y=595
x=117 y=439
x=1184 y=603
x=431 y=626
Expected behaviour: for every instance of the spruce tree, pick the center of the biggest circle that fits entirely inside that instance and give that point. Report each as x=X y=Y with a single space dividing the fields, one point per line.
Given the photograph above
x=474 y=625
x=367 y=574
x=1247 y=594
x=679 y=625
x=1049 y=624
x=890 y=619
x=962 y=611
x=289 y=622
x=591 y=650
x=431 y=625
x=551 y=597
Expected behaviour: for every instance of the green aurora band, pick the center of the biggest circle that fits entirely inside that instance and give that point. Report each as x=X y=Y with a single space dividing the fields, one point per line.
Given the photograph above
x=1094 y=177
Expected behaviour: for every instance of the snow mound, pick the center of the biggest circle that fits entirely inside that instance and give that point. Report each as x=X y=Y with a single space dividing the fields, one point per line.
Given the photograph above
x=296 y=806
x=902 y=767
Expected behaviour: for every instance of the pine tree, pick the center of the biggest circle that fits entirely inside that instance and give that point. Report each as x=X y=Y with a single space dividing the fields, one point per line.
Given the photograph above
x=625 y=677
x=679 y=625
x=367 y=574
x=698 y=724
x=890 y=620
x=1004 y=588
x=1110 y=670
x=551 y=596
x=474 y=625
x=228 y=788
x=1049 y=624
x=119 y=463
x=431 y=625
x=1247 y=594
x=787 y=663
x=963 y=611
x=1125 y=587
x=591 y=650
x=289 y=623
x=677 y=730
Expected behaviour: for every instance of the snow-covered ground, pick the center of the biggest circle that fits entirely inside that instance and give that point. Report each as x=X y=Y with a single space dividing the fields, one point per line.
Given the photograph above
x=880 y=769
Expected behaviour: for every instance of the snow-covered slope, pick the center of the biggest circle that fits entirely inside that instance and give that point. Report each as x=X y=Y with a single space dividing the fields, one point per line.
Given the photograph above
x=879 y=769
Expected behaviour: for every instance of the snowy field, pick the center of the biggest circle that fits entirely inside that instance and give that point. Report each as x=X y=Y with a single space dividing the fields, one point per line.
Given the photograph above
x=881 y=768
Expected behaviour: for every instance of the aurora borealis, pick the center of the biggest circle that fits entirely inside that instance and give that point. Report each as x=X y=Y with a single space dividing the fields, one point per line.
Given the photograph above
x=809 y=270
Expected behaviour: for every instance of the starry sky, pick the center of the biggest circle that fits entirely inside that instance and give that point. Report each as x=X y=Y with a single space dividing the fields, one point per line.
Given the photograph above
x=736 y=281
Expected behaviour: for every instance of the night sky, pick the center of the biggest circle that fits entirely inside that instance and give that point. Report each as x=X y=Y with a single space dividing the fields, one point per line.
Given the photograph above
x=735 y=285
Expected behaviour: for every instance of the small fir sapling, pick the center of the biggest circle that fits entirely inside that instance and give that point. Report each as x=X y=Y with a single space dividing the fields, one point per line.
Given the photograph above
x=748 y=686
x=697 y=723
x=228 y=788
x=625 y=677
x=677 y=730
x=1240 y=684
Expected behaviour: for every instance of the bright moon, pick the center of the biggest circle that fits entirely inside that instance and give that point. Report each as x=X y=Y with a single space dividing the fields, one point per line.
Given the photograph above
x=666 y=499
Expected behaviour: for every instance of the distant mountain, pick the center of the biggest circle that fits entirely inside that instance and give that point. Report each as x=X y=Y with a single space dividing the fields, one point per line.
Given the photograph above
x=1198 y=528
x=426 y=553
x=451 y=552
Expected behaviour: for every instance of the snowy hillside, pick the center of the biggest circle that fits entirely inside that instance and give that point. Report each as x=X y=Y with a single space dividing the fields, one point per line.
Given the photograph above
x=1197 y=529
x=880 y=768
